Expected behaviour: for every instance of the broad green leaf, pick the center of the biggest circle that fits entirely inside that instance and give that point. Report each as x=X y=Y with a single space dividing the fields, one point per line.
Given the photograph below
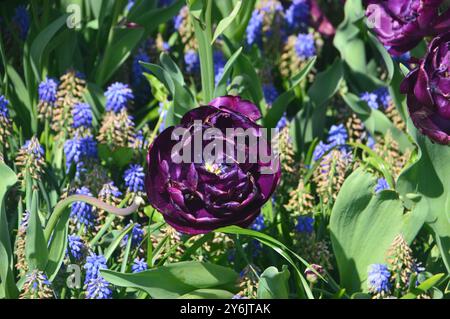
x=183 y=99
x=41 y=41
x=161 y=74
x=119 y=157
x=363 y=225
x=389 y=63
x=116 y=53
x=424 y=287
x=172 y=68
x=429 y=177
x=151 y=19
x=7 y=287
x=236 y=30
x=226 y=22
x=175 y=280
x=274 y=284
x=36 y=250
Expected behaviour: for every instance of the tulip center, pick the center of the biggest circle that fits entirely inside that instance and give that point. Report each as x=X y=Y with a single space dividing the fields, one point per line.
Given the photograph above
x=213 y=168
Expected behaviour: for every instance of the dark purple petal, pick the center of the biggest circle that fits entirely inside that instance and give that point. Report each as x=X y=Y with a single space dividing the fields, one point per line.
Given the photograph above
x=238 y=105
x=428 y=91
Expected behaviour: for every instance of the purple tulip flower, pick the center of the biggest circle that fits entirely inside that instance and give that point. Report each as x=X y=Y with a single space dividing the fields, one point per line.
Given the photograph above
x=401 y=24
x=199 y=196
x=428 y=91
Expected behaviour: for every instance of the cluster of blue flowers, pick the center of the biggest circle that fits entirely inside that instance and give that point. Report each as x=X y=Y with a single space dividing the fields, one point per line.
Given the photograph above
x=76 y=247
x=192 y=61
x=381 y=185
x=297 y=16
x=96 y=286
x=376 y=99
x=337 y=137
x=4 y=112
x=297 y=19
x=305 y=46
x=282 y=123
x=77 y=150
x=258 y=224
x=47 y=91
x=82 y=116
x=219 y=64
x=139 y=265
x=305 y=225
x=118 y=95
x=33 y=148
x=82 y=213
x=270 y=93
x=21 y=19
x=109 y=190
x=254 y=28
x=137 y=69
x=137 y=234
x=378 y=280
x=134 y=178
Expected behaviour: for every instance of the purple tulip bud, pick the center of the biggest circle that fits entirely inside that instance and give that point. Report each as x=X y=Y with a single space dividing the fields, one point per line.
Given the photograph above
x=401 y=24
x=428 y=91
x=199 y=195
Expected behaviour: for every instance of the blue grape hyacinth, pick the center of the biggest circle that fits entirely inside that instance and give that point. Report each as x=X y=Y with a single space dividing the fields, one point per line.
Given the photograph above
x=320 y=150
x=134 y=178
x=219 y=64
x=258 y=224
x=378 y=278
x=337 y=135
x=305 y=46
x=383 y=96
x=82 y=213
x=93 y=264
x=137 y=234
x=305 y=225
x=47 y=90
x=75 y=247
x=77 y=150
x=270 y=93
x=137 y=70
x=98 y=288
x=118 y=95
x=4 y=112
x=139 y=265
x=381 y=185
x=192 y=61
x=371 y=99
x=82 y=115
x=254 y=28
x=297 y=16
x=21 y=19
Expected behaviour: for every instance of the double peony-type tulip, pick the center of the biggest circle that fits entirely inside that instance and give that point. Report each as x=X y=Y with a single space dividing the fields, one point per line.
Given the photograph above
x=428 y=91
x=401 y=24
x=199 y=196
